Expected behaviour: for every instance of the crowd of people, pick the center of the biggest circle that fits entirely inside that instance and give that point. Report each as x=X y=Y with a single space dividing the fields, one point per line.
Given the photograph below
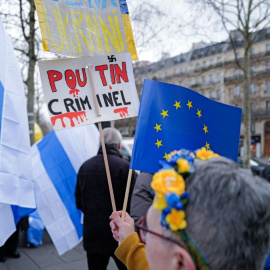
x=200 y=211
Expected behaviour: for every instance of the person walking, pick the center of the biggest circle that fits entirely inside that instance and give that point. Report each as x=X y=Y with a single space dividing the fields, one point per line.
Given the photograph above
x=93 y=198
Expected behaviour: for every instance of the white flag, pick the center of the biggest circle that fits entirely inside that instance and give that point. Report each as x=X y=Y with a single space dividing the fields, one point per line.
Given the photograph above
x=16 y=179
x=56 y=161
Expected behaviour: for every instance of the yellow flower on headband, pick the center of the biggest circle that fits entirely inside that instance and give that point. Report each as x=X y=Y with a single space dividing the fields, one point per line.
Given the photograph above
x=168 y=181
x=159 y=202
x=176 y=220
x=204 y=154
x=183 y=165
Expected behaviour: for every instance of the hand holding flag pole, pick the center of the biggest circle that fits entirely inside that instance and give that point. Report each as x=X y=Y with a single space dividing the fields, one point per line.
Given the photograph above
x=102 y=139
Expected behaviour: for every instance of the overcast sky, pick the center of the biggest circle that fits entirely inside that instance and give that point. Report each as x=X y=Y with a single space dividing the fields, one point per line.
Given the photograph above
x=178 y=39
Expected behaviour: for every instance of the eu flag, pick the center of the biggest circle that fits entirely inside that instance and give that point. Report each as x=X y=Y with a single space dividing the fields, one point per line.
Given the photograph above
x=172 y=117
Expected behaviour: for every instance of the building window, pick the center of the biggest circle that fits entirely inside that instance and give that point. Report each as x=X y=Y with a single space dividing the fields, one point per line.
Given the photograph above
x=218 y=94
x=211 y=79
x=190 y=82
x=197 y=67
x=238 y=55
x=203 y=81
x=211 y=63
x=204 y=64
x=237 y=73
x=219 y=61
x=252 y=108
x=267 y=48
x=267 y=87
x=252 y=128
x=212 y=94
x=191 y=69
x=252 y=89
x=252 y=51
x=252 y=70
x=237 y=91
x=181 y=71
x=198 y=80
x=268 y=107
x=219 y=78
x=267 y=65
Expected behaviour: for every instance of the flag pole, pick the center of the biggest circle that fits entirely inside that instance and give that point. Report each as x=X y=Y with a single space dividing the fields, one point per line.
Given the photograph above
x=102 y=139
x=126 y=194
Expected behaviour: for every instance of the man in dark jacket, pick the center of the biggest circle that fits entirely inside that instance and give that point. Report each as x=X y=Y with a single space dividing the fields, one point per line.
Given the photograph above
x=93 y=198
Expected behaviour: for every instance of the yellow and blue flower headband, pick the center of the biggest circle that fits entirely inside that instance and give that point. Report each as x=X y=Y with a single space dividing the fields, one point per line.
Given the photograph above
x=170 y=194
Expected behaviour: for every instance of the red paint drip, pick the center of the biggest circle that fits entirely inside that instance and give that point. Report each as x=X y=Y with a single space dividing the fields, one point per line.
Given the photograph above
x=74 y=92
x=110 y=87
x=79 y=116
x=122 y=111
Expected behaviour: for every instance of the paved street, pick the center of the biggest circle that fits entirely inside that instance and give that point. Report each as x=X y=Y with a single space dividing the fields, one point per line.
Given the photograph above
x=45 y=257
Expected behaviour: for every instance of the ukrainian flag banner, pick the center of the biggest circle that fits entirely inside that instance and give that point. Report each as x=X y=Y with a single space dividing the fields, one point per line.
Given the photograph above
x=172 y=117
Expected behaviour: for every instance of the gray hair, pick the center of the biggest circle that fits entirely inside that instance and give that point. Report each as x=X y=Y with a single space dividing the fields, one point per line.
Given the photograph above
x=228 y=215
x=112 y=137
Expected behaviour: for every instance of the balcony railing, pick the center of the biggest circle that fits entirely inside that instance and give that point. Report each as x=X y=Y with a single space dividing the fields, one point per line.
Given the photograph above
x=233 y=79
x=195 y=85
x=256 y=75
x=260 y=113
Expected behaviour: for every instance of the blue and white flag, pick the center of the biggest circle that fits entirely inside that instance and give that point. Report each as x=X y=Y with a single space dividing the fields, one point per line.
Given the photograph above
x=17 y=196
x=56 y=160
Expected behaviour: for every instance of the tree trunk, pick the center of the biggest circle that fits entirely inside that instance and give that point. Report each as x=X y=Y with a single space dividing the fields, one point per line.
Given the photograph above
x=31 y=71
x=246 y=105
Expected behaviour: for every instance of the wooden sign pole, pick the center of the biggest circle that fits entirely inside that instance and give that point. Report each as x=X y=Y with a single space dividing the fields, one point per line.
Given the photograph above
x=102 y=139
x=126 y=194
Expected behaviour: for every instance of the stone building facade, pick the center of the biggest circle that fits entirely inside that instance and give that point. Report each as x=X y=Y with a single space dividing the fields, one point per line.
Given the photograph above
x=210 y=69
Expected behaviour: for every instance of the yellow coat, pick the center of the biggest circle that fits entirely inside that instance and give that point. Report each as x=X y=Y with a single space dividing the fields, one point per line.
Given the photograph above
x=132 y=253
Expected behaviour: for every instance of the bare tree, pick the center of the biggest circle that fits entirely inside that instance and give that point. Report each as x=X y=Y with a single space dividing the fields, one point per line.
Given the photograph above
x=150 y=24
x=249 y=19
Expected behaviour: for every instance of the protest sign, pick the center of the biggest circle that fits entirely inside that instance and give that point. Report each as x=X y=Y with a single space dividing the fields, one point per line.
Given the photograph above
x=85 y=28
x=68 y=92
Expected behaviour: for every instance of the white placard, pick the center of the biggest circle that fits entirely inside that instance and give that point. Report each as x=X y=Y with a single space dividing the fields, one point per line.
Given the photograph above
x=69 y=96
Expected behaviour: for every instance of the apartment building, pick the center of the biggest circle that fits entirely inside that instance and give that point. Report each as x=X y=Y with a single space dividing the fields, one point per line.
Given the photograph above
x=210 y=69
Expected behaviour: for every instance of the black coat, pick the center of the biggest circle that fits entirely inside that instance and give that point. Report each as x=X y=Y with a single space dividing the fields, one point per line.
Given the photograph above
x=93 y=198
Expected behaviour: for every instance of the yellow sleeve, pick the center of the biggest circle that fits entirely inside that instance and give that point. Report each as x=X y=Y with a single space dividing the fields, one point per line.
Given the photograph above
x=132 y=253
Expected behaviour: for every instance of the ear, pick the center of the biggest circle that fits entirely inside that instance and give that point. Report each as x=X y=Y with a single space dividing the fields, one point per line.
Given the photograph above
x=182 y=260
x=119 y=146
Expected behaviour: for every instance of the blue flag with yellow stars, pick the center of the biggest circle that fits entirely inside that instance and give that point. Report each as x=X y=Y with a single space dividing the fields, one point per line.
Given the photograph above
x=172 y=117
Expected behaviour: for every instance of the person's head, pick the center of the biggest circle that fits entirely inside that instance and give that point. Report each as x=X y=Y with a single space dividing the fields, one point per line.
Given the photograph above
x=265 y=173
x=227 y=216
x=112 y=137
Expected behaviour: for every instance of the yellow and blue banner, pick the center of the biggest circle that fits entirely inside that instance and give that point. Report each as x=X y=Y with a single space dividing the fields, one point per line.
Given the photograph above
x=172 y=117
x=85 y=28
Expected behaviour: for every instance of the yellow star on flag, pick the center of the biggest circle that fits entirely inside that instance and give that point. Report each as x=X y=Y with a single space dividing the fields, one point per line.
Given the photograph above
x=164 y=113
x=159 y=143
x=207 y=145
x=157 y=127
x=205 y=129
x=199 y=113
x=189 y=104
x=166 y=156
x=177 y=105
